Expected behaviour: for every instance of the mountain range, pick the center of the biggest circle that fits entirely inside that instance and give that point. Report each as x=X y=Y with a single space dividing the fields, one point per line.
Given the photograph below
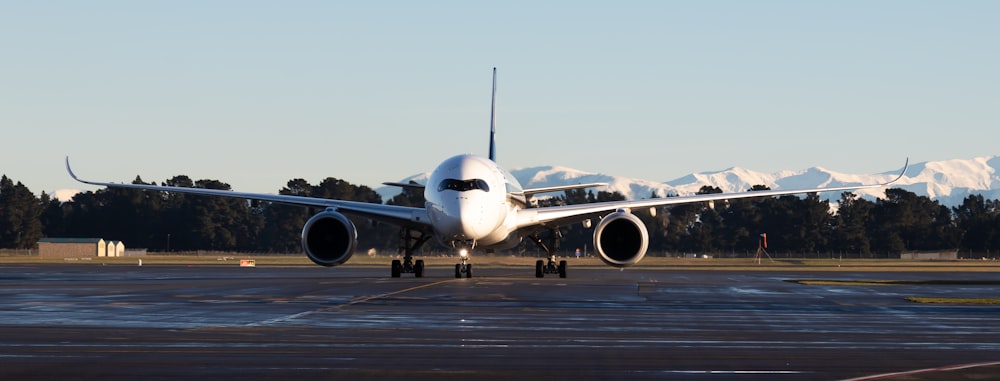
x=947 y=181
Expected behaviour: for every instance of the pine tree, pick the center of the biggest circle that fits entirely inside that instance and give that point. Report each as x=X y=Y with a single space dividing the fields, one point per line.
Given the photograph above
x=283 y=223
x=410 y=196
x=741 y=223
x=979 y=221
x=851 y=224
x=20 y=210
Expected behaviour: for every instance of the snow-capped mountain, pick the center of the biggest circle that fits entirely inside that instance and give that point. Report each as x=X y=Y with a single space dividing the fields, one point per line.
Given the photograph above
x=947 y=181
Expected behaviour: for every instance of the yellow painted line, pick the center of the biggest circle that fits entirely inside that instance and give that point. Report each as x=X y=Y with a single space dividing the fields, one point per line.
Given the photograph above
x=388 y=294
x=347 y=304
x=877 y=282
x=963 y=301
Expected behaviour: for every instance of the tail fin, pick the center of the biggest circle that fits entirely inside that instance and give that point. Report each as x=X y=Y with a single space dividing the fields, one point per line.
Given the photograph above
x=493 y=119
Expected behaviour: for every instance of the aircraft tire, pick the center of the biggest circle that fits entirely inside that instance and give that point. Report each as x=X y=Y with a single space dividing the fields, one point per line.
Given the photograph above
x=418 y=268
x=397 y=268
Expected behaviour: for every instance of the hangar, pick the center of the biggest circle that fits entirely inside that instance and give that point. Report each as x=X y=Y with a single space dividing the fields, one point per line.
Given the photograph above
x=79 y=247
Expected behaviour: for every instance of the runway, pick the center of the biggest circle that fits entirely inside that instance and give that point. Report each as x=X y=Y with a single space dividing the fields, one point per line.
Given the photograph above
x=78 y=321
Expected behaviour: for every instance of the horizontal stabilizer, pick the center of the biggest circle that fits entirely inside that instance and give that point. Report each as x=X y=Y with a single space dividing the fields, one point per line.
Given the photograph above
x=562 y=188
x=405 y=185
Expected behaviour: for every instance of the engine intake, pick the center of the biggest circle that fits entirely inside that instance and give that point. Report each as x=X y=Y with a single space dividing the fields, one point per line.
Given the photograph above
x=621 y=239
x=329 y=238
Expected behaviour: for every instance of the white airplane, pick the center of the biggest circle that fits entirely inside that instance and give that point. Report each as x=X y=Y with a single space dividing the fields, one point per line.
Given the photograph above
x=473 y=203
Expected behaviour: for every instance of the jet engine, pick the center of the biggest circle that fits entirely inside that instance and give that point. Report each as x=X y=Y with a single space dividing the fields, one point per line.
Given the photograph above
x=621 y=239
x=329 y=238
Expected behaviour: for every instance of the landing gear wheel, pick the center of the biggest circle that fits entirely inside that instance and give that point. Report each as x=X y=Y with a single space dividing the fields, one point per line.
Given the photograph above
x=409 y=241
x=543 y=267
x=461 y=269
x=418 y=268
x=397 y=268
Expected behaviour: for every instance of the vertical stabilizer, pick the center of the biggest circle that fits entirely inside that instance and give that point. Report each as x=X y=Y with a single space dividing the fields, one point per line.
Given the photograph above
x=493 y=119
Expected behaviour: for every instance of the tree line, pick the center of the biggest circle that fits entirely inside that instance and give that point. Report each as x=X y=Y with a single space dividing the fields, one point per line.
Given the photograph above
x=805 y=225
x=796 y=225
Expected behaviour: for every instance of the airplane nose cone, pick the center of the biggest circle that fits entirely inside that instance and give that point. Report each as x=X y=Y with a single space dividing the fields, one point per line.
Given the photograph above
x=472 y=218
x=464 y=219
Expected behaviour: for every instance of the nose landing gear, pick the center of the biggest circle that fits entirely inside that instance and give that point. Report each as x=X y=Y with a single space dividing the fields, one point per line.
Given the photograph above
x=464 y=268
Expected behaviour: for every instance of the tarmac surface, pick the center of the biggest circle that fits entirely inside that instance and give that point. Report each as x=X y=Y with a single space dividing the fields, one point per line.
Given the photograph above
x=121 y=322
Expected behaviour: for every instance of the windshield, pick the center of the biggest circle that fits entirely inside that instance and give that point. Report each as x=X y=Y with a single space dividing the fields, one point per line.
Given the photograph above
x=463 y=185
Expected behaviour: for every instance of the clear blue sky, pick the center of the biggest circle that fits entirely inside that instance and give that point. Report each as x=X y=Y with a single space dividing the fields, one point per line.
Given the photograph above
x=255 y=93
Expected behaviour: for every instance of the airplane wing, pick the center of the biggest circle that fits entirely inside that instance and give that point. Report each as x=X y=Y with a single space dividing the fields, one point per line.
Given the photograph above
x=399 y=215
x=561 y=215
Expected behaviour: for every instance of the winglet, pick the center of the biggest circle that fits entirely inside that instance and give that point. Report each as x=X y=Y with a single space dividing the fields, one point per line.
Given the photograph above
x=493 y=119
x=70 y=170
x=73 y=175
x=901 y=173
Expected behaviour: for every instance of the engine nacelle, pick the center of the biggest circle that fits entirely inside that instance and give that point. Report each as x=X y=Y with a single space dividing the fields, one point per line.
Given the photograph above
x=621 y=239
x=329 y=238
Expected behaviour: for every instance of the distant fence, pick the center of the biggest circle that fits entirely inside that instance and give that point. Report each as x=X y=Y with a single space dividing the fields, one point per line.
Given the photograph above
x=946 y=255
x=18 y=252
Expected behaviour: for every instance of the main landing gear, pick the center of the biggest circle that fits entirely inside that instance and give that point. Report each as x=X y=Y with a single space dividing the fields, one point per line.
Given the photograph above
x=410 y=241
x=408 y=265
x=541 y=266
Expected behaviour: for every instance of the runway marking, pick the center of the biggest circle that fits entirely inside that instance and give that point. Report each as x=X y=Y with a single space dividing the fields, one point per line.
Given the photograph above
x=735 y=372
x=921 y=371
x=346 y=304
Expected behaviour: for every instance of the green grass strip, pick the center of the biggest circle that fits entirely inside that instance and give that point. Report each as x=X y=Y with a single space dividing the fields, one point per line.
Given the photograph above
x=963 y=301
x=877 y=282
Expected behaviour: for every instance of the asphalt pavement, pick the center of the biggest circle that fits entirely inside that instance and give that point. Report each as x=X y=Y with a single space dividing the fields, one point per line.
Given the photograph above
x=85 y=321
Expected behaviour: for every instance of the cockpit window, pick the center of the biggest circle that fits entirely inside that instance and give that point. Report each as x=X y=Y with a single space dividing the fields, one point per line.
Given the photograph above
x=463 y=185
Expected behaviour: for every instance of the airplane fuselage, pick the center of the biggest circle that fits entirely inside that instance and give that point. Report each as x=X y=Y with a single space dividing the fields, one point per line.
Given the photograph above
x=473 y=203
